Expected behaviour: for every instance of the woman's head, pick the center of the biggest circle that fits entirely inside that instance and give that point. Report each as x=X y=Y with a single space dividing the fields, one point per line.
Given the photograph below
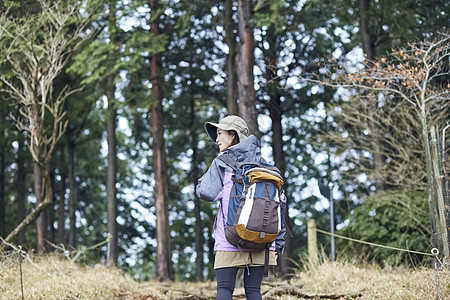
x=226 y=138
x=231 y=130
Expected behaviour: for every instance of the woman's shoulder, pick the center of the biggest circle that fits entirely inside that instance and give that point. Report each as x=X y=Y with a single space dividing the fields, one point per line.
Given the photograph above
x=247 y=150
x=223 y=161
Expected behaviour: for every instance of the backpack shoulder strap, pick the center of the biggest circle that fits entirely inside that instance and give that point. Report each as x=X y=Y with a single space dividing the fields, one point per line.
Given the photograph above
x=229 y=161
x=233 y=164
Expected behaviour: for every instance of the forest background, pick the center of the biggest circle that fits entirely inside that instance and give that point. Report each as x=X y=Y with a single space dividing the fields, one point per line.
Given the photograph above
x=120 y=112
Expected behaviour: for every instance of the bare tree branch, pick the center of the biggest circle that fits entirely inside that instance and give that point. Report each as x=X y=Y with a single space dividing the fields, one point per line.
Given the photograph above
x=396 y=96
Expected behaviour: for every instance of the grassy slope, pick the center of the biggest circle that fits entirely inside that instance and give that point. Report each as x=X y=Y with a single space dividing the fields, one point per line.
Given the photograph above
x=53 y=278
x=374 y=282
x=50 y=277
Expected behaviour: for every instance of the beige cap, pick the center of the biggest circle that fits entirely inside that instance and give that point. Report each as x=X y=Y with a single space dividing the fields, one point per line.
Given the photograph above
x=228 y=123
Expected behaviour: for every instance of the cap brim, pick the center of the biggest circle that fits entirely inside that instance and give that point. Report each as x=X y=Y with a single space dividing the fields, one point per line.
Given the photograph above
x=211 y=129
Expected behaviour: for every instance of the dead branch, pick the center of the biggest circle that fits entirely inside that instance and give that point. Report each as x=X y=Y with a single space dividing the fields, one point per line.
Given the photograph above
x=73 y=255
x=275 y=294
x=20 y=252
x=30 y=218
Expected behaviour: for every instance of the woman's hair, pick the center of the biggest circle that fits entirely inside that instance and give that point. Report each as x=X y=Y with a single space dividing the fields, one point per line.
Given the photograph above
x=235 y=138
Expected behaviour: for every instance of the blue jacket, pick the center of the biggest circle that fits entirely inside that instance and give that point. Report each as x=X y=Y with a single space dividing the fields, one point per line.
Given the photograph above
x=216 y=184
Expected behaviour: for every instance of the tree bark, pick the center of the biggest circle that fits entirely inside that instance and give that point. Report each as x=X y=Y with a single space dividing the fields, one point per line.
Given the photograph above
x=73 y=187
x=164 y=269
x=41 y=221
x=368 y=41
x=2 y=192
x=245 y=64
x=274 y=104
x=369 y=48
x=51 y=214
x=199 y=240
x=275 y=112
x=278 y=154
x=62 y=201
x=111 y=178
x=20 y=186
x=111 y=193
x=230 y=40
x=210 y=244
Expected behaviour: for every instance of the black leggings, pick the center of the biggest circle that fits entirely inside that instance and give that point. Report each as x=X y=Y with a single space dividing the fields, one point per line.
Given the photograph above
x=226 y=277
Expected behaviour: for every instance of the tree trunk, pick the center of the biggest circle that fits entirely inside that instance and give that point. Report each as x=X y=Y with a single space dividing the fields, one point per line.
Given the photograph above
x=111 y=192
x=245 y=64
x=43 y=188
x=274 y=105
x=62 y=201
x=275 y=112
x=51 y=213
x=20 y=186
x=161 y=193
x=41 y=221
x=112 y=171
x=230 y=39
x=278 y=154
x=2 y=192
x=73 y=187
x=164 y=269
x=368 y=41
x=369 y=48
x=199 y=240
x=210 y=245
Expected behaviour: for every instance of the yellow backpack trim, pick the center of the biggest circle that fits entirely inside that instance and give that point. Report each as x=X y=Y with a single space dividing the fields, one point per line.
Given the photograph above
x=259 y=176
x=254 y=236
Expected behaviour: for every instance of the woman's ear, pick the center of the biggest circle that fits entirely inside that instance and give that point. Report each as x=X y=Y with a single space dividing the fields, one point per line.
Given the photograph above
x=234 y=137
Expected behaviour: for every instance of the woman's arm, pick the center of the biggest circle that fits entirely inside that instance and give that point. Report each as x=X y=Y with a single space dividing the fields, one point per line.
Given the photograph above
x=211 y=183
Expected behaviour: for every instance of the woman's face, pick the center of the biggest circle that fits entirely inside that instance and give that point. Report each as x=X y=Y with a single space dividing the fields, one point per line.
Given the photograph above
x=224 y=139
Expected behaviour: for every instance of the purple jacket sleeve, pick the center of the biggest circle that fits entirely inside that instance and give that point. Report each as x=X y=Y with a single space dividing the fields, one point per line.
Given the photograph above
x=211 y=183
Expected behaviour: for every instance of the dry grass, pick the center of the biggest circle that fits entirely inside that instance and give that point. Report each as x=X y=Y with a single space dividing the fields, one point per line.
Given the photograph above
x=52 y=277
x=374 y=282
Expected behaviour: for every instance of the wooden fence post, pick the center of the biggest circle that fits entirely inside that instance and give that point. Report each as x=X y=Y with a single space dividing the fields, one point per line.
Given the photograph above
x=313 y=253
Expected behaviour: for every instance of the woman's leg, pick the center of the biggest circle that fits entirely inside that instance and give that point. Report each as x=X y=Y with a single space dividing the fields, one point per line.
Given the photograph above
x=252 y=282
x=226 y=277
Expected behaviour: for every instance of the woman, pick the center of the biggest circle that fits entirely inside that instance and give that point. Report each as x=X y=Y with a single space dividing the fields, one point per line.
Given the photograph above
x=232 y=136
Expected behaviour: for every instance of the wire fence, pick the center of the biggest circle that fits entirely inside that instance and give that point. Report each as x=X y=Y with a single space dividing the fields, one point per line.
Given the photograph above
x=373 y=244
x=438 y=264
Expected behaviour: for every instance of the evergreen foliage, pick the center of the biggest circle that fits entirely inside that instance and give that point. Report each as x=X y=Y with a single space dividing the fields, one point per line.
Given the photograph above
x=301 y=35
x=398 y=219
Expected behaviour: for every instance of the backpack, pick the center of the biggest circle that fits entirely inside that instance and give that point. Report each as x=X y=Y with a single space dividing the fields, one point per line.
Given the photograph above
x=256 y=207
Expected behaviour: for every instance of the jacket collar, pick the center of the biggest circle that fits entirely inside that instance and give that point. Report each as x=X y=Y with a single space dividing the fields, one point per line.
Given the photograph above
x=247 y=150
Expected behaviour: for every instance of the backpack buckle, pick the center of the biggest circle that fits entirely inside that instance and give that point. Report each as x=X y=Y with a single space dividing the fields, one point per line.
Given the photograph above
x=236 y=180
